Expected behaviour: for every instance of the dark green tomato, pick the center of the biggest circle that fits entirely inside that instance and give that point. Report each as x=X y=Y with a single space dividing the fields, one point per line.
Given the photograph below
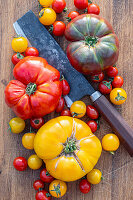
x=94 y=44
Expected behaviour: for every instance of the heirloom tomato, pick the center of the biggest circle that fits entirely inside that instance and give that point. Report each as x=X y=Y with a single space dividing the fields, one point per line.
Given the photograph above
x=36 y=90
x=47 y=16
x=68 y=147
x=94 y=45
x=57 y=188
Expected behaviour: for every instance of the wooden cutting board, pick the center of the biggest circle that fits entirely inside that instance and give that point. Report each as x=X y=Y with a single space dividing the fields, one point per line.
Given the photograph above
x=118 y=169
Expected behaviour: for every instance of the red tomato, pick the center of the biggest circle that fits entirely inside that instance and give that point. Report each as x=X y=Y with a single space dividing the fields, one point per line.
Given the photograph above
x=20 y=163
x=97 y=77
x=93 y=125
x=38 y=184
x=58 y=28
x=92 y=112
x=60 y=105
x=65 y=112
x=65 y=87
x=45 y=176
x=105 y=87
x=72 y=15
x=112 y=71
x=93 y=9
x=117 y=82
x=17 y=57
x=84 y=186
x=43 y=195
x=37 y=122
x=31 y=51
x=58 y=5
x=81 y=4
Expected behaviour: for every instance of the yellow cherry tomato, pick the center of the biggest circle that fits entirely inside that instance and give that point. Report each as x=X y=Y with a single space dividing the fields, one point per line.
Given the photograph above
x=110 y=142
x=34 y=162
x=17 y=125
x=57 y=188
x=78 y=109
x=118 y=96
x=45 y=3
x=19 y=44
x=28 y=140
x=94 y=176
x=47 y=16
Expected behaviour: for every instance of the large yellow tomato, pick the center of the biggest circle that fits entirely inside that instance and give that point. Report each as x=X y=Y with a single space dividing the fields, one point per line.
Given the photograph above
x=68 y=147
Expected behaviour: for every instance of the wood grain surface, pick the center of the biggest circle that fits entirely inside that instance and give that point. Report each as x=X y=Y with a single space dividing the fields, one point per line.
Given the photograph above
x=118 y=169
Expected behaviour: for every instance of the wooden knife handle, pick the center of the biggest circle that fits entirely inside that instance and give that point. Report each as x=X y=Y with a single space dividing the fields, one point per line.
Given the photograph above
x=120 y=126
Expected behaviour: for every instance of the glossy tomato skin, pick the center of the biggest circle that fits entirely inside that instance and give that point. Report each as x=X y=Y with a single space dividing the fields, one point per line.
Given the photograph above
x=65 y=87
x=28 y=140
x=93 y=9
x=45 y=3
x=92 y=112
x=72 y=15
x=20 y=163
x=93 y=125
x=36 y=123
x=19 y=44
x=59 y=28
x=97 y=77
x=65 y=112
x=31 y=51
x=60 y=105
x=81 y=4
x=118 y=96
x=42 y=195
x=84 y=186
x=105 y=87
x=16 y=58
x=117 y=82
x=34 y=162
x=38 y=184
x=59 y=5
x=112 y=71
x=110 y=142
x=35 y=73
x=94 y=176
x=17 y=125
x=47 y=16
x=78 y=109
x=57 y=188
x=45 y=176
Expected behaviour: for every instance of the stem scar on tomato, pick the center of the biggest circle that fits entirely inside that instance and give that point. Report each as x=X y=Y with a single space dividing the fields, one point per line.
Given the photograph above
x=74 y=114
x=107 y=84
x=119 y=97
x=31 y=88
x=57 y=190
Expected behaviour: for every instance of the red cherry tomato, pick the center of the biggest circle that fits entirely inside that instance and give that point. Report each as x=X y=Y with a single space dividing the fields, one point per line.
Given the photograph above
x=97 y=77
x=17 y=57
x=93 y=9
x=117 y=82
x=58 y=5
x=20 y=163
x=72 y=15
x=37 y=122
x=58 y=28
x=65 y=87
x=31 y=51
x=92 y=112
x=45 y=176
x=112 y=71
x=105 y=87
x=84 y=186
x=93 y=125
x=43 y=195
x=81 y=4
x=38 y=184
x=60 y=105
x=65 y=112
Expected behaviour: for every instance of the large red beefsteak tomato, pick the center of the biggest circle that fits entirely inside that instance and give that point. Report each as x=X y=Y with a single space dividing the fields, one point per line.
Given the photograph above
x=94 y=44
x=36 y=90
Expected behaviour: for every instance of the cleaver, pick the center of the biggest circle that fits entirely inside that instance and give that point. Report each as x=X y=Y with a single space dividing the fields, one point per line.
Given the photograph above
x=38 y=36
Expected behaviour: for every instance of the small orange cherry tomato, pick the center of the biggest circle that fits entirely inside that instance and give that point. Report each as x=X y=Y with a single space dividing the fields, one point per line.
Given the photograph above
x=94 y=176
x=57 y=188
x=47 y=16
x=118 y=96
x=17 y=125
x=110 y=142
x=45 y=3
x=78 y=109
x=28 y=140
x=34 y=162
x=19 y=44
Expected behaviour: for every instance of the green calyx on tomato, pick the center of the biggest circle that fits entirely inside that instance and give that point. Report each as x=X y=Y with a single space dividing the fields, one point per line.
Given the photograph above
x=112 y=152
x=70 y=146
x=74 y=114
x=47 y=173
x=41 y=13
x=107 y=84
x=89 y=1
x=91 y=41
x=51 y=29
x=65 y=9
x=68 y=19
x=31 y=88
x=57 y=189
x=119 y=97
x=36 y=121
x=19 y=56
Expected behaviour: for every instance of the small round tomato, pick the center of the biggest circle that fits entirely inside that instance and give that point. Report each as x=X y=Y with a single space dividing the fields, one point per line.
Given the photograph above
x=17 y=125
x=84 y=186
x=81 y=4
x=37 y=123
x=118 y=96
x=110 y=142
x=117 y=82
x=38 y=184
x=60 y=105
x=47 y=16
x=105 y=87
x=17 y=57
x=112 y=71
x=65 y=87
x=31 y=51
x=94 y=176
x=58 y=28
x=20 y=163
x=72 y=15
x=45 y=176
x=19 y=44
x=59 y=6
x=34 y=162
x=93 y=125
x=57 y=188
x=93 y=9
x=28 y=140
x=97 y=77
x=78 y=109
x=65 y=112
x=92 y=112
x=45 y=3
x=43 y=195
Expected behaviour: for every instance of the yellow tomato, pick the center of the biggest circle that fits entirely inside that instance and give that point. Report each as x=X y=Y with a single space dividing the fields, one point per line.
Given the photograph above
x=68 y=147
x=94 y=176
x=28 y=140
x=34 y=162
x=110 y=142
x=78 y=109
x=47 y=16
x=17 y=125
x=118 y=96
x=45 y=3
x=57 y=188
x=19 y=44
